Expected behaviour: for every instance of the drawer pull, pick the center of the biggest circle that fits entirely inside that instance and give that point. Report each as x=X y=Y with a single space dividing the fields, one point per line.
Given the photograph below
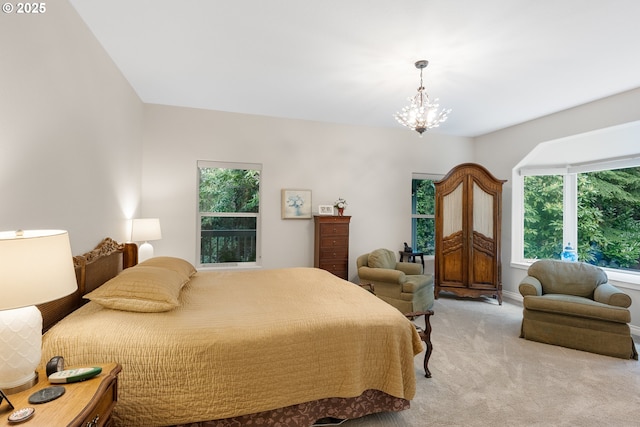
x=94 y=421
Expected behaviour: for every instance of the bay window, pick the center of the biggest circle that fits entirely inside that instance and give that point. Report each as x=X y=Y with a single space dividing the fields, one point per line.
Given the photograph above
x=595 y=207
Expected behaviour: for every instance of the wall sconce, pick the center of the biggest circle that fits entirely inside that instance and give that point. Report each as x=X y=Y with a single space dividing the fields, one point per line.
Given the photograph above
x=36 y=266
x=143 y=230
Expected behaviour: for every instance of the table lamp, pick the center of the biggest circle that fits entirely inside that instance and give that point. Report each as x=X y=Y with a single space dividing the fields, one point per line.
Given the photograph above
x=36 y=266
x=143 y=230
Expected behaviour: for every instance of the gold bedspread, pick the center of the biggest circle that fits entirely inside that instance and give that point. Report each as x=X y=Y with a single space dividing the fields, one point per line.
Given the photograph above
x=244 y=342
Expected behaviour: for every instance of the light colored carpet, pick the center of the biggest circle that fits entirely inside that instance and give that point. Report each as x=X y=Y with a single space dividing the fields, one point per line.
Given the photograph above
x=485 y=375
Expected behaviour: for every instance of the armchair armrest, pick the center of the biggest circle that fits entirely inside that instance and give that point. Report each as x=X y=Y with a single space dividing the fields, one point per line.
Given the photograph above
x=381 y=275
x=409 y=268
x=606 y=293
x=530 y=286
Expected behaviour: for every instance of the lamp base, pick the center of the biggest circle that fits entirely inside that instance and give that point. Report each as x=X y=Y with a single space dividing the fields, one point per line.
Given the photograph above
x=145 y=252
x=20 y=348
x=22 y=387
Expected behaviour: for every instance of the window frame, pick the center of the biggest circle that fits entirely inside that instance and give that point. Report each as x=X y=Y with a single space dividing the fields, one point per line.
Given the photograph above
x=199 y=215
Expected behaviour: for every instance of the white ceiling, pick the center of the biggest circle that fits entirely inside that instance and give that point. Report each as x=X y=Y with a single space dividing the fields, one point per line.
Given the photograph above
x=494 y=62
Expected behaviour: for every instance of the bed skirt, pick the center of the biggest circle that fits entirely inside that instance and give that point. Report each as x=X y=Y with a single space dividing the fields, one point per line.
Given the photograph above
x=306 y=414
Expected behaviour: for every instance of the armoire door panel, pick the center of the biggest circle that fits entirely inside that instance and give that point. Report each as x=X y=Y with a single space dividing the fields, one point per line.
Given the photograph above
x=452 y=268
x=485 y=244
x=451 y=264
x=482 y=211
x=452 y=208
x=483 y=270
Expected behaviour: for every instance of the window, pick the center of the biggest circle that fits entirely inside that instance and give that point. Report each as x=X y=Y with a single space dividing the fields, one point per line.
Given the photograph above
x=594 y=207
x=609 y=218
x=229 y=214
x=543 y=225
x=423 y=210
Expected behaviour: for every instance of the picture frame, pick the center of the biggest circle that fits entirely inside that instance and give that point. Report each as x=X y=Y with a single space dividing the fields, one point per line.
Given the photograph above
x=325 y=210
x=296 y=204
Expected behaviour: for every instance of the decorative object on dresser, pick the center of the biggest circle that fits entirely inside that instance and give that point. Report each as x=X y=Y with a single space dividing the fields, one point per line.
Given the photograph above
x=85 y=403
x=296 y=204
x=35 y=267
x=340 y=205
x=331 y=248
x=144 y=230
x=468 y=224
x=325 y=210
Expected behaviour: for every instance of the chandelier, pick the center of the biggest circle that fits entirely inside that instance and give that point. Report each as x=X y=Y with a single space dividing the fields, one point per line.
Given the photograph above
x=421 y=114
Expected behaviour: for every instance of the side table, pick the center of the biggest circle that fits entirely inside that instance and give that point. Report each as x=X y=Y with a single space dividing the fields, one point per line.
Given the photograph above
x=411 y=257
x=85 y=403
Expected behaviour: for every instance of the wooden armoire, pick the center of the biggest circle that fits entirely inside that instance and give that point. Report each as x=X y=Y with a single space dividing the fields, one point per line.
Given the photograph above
x=468 y=222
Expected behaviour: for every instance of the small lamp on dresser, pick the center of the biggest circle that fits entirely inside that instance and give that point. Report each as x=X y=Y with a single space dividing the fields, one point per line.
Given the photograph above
x=144 y=230
x=36 y=266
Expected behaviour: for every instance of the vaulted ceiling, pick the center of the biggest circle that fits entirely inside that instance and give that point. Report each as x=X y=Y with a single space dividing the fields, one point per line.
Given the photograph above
x=496 y=63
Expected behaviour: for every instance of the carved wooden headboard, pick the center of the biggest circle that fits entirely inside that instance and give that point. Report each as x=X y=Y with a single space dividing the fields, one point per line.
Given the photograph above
x=92 y=270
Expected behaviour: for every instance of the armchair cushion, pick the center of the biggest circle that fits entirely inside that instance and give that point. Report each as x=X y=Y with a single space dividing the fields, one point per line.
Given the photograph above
x=571 y=305
x=416 y=282
x=381 y=275
x=571 y=278
x=409 y=268
x=382 y=258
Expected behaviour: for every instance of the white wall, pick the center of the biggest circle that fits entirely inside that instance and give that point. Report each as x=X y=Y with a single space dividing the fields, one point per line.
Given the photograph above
x=371 y=168
x=514 y=143
x=70 y=130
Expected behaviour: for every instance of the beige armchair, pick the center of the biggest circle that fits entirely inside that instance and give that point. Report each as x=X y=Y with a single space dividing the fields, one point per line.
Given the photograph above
x=401 y=284
x=571 y=304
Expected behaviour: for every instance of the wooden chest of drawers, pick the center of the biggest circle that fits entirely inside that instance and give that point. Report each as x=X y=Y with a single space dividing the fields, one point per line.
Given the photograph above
x=331 y=251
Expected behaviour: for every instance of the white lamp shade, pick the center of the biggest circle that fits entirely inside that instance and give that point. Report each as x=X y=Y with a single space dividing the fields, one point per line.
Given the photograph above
x=35 y=267
x=144 y=229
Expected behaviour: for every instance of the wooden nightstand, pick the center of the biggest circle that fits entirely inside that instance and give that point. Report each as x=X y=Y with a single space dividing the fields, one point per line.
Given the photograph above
x=87 y=403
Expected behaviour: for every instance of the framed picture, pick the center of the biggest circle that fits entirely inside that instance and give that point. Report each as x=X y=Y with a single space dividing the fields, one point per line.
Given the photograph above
x=296 y=204
x=325 y=210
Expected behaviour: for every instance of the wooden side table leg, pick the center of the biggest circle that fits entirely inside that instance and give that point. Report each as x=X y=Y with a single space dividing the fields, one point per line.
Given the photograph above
x=427 y=341
x=425 y=336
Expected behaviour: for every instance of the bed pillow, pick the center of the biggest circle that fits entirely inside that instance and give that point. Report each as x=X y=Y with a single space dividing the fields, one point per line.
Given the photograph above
x=178 y=265
x=143 y=289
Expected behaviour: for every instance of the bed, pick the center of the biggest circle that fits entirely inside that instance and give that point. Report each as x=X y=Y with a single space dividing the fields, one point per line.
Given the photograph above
x=217 y=348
